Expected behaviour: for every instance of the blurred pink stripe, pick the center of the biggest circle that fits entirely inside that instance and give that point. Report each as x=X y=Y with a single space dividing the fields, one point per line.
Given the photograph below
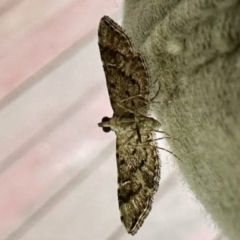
x=47 y=165
x=24 y=56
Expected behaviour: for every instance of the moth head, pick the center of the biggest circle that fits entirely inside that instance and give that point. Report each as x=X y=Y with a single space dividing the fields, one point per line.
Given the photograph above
x=104 y=124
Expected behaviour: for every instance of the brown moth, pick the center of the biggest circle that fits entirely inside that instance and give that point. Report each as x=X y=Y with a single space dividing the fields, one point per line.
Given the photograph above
x=138 y=161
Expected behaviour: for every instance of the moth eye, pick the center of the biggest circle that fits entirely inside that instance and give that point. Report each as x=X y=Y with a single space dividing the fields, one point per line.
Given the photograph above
x=105 y=119
x=106 y=129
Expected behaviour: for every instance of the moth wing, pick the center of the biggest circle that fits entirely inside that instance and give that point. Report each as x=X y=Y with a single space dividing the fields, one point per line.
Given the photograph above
x=125 y=70
x=138 y=178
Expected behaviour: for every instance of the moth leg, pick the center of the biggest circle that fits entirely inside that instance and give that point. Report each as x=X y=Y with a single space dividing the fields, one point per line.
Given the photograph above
x=142 y=98
x=169 y=152
x=130 y=110
x=144 y=143
x=168 y=135
x=158 y=131
x=132 y=97
x=156 y=139
x=164 y=149
x=151 y=100
x=147 y=101
x=151 y=140
x=163 y=101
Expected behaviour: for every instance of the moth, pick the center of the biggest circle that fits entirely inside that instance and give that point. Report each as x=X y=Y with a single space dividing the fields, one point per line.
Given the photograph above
x=138 y=160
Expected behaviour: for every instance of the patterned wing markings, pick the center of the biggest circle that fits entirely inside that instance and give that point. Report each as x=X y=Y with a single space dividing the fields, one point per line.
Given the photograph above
x=138 y=178
x=138 y=161
x=125 y=70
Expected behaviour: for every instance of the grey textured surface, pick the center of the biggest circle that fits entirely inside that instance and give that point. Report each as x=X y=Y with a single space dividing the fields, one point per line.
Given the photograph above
x=192 y=51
